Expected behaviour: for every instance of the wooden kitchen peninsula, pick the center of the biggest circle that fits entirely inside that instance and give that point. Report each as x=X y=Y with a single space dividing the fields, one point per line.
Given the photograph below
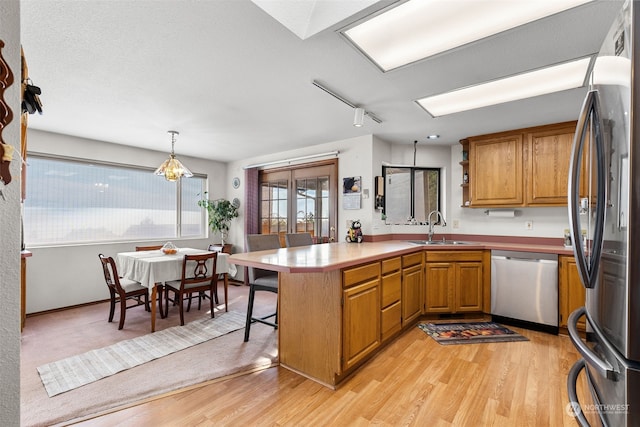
x=339 y=302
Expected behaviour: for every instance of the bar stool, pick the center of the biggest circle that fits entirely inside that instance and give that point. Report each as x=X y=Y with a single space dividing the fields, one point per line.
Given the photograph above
x=261 y=280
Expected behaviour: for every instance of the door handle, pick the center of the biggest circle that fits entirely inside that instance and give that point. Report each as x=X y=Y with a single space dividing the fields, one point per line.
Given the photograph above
x=603 y=367
x=590 y=114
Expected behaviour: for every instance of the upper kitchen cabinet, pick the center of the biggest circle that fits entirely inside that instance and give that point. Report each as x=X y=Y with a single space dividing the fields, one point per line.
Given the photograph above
x=546 y=158
x=523 y=167
x=495 y=170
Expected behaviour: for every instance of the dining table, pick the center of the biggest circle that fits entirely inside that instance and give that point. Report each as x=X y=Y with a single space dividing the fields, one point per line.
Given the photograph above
x=153 y=268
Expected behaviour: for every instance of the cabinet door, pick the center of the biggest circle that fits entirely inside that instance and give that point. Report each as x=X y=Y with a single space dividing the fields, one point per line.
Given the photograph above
x=440 y=281
x=496 y=171
x=468 y=294
x=571 y=291
x=547 y=165
x=361 y=322
x=391 y=307
x=411 y=295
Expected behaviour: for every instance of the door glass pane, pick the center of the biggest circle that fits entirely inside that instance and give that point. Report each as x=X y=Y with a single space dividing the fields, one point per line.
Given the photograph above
x=307 y=208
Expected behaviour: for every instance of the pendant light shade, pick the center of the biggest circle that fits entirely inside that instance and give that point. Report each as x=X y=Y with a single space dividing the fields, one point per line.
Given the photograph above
x=172 y=169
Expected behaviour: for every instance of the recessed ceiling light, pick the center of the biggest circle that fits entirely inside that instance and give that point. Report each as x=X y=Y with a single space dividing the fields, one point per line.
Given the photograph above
x=433 y=136
x=417 y=29
x=556 y=78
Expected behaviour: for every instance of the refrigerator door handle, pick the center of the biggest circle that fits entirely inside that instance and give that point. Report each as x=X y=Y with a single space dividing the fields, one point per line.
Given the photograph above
x=603 y=367
x=589 y=115
x=572 y=380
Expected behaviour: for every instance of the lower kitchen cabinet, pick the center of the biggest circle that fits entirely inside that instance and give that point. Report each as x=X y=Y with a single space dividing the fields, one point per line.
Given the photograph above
x=390 y=298
x=454 y=282
x=468 y=282
x=572 y=293
x=412 y=285
x=440 y=282
x=360 y=313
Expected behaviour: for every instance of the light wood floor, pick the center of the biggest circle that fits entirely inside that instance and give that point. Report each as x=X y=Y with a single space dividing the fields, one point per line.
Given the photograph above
x=413 y=381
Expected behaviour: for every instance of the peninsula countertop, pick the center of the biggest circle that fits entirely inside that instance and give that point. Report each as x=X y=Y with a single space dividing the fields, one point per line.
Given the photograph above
x=332 y=256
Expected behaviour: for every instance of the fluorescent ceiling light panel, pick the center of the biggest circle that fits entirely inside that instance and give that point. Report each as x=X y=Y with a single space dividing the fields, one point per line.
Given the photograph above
x=418 y=29
x=568 y=75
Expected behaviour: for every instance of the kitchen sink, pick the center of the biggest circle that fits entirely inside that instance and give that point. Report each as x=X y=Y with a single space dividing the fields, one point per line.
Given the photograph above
x=438 y=242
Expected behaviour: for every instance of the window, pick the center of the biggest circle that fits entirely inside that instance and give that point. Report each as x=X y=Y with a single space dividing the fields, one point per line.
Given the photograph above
x=300 y=199
x=76 y=201
x=410 y=193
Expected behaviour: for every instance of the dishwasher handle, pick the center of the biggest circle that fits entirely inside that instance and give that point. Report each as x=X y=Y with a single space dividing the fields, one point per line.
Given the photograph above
x=542 y=261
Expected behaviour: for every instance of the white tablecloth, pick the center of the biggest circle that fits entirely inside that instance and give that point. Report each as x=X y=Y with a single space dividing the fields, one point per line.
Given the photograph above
x=151 y=267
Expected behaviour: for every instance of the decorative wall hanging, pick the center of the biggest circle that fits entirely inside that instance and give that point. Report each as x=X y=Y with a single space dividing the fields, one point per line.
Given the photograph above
x=6 y=115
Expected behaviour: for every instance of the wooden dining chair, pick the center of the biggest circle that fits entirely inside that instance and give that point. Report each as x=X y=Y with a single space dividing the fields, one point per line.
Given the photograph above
x=196 y=277
x=201 y=295
x=160 y=285
x=148 y=248
x=121 y=290
x=261 y=280
x=298 y=239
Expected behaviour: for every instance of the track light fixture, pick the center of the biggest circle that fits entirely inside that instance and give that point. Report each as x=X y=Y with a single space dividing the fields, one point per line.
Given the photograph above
x=358 y=118
x=359 y=112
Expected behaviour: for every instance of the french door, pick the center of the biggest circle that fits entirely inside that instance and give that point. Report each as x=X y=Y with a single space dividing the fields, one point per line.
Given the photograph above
x=300 y=199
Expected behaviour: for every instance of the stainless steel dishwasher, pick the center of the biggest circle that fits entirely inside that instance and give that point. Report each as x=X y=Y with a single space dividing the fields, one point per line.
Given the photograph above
x=524 y=289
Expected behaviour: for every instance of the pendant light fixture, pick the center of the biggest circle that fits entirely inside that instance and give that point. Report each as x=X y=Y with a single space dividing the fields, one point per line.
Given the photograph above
x=172 y=169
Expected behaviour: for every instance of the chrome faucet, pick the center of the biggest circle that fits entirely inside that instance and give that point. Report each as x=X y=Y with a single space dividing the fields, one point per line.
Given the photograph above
x=442 y=222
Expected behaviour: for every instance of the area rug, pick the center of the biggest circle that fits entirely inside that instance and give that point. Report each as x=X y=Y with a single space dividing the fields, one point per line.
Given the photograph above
x=76 y=371
x=219 y=358
x=468 y=333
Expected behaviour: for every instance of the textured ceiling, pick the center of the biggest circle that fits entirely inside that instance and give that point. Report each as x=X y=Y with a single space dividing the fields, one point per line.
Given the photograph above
x=236 y=83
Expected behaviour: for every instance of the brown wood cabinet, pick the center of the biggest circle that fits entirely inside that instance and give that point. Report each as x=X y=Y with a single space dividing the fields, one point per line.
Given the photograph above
x=440 y=282
x=571 y=292
x=522 y=167
x=495 y=170
x=390 y=298
x=454 y=282
x=360 y=313
x=412 y=286
x=468 y=282
x=547 y=155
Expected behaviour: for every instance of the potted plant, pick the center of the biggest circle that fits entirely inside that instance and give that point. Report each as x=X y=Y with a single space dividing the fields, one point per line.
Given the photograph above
x=220 y=212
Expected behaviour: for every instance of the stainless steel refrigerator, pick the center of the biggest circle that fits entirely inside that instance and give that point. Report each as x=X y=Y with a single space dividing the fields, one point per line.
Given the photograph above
x=604 y=200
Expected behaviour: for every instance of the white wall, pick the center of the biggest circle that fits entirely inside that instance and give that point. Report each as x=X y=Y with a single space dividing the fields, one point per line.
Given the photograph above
x=10 y=228
x=70 y=275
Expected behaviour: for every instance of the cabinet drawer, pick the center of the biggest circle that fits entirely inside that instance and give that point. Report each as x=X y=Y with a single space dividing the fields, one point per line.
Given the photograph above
x=391 y=288
x=447 y=256
x=391 y=320
x=411 y=259
x=391 y=265
x=353 y=276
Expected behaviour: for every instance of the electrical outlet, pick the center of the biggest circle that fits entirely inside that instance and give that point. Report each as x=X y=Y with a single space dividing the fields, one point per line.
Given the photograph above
x=528 y=225
x=455 y=223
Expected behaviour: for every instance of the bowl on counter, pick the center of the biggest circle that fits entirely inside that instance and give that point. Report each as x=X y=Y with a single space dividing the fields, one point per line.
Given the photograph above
x=169 y=248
